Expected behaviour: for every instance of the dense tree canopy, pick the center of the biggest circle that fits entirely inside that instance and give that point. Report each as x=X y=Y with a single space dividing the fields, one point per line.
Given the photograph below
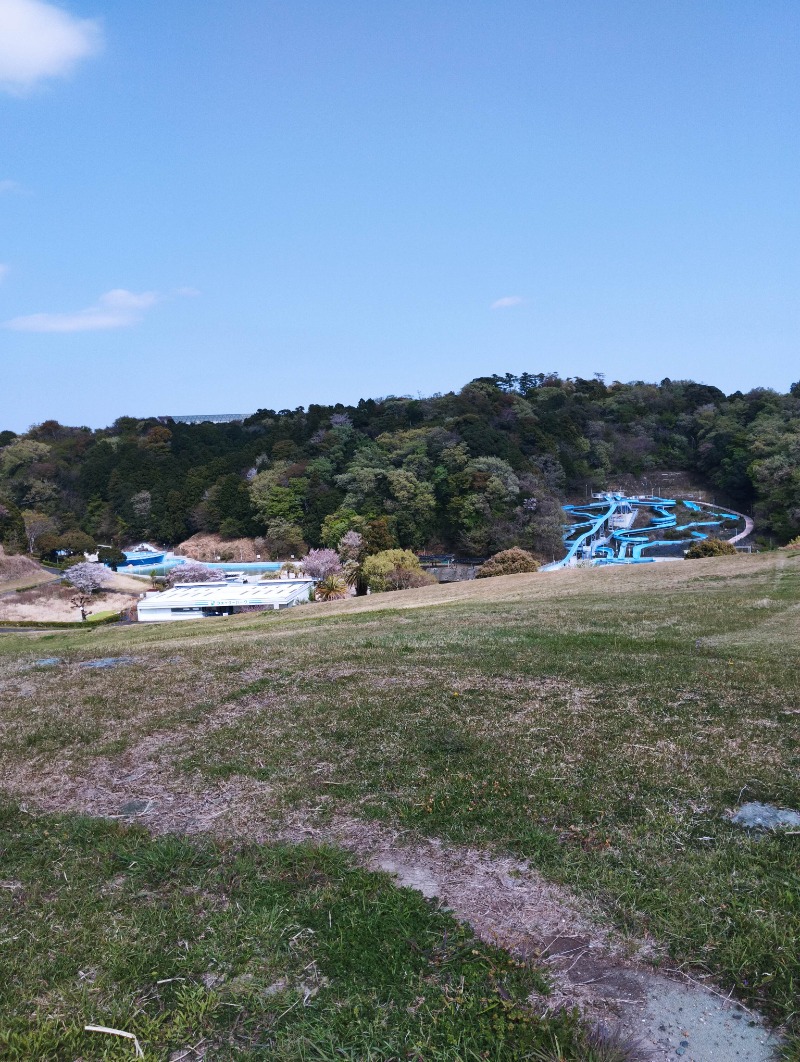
x=478 y=471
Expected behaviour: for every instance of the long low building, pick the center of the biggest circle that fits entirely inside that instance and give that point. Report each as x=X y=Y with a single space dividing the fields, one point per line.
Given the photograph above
x=188 y=601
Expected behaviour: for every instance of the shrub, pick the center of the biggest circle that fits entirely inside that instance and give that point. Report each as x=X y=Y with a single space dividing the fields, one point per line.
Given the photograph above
x=65 y=563
x=794 y=544
x=508 y=562
x=710 y=547
x=394 y=569
x=77 y=542
x=414 y=580
x=194 y=573
x=110 y=556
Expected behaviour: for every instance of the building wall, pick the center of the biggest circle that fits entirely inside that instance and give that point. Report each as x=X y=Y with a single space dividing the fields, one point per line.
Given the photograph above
x=159 y=615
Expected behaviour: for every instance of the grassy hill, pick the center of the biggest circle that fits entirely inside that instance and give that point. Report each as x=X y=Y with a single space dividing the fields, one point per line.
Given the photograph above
x=597 y=723
x=20 y=571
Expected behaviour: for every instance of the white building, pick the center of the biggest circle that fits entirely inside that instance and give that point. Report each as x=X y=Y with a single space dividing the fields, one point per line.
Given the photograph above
x=188 y=601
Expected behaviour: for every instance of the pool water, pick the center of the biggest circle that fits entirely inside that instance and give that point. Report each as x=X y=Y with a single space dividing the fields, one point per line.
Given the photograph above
x=256 y=568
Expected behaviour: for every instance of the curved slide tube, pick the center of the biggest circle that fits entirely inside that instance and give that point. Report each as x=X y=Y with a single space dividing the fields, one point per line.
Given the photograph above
x=594 y=534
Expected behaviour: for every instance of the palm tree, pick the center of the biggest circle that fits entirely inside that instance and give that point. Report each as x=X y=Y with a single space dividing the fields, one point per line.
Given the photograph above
x=331 y=588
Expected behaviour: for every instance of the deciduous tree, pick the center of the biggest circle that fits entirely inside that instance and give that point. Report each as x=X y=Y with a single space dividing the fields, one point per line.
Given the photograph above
x=194 y=573
x=320 y=563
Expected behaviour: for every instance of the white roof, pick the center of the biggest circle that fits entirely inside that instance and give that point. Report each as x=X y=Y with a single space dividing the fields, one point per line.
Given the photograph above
x=222 y=595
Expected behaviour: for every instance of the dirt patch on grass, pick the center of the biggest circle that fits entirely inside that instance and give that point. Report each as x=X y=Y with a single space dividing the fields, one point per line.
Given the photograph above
x=507 y=902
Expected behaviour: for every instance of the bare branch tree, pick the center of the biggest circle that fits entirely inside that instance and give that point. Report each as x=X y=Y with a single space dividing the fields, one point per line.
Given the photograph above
x=36 y=524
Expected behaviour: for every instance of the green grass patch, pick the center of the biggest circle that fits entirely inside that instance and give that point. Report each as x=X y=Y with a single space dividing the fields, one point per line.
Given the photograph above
x=599 y=726
x=253 y=951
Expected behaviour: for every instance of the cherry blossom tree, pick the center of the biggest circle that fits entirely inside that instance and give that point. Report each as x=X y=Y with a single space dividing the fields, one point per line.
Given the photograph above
x=351 y=547
x=194 y=573
x=87 y=578
x=320 y=563
x=352 y=552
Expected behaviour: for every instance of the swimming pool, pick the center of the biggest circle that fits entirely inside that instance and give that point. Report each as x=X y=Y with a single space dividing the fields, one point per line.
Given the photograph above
x=163 y=564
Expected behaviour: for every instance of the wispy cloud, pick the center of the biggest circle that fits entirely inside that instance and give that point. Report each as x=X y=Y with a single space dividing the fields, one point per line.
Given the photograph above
x=126 y=301
x=39 y=40
x=118 y=308
x=507 y=302
x=8 y=186
x=3 y=271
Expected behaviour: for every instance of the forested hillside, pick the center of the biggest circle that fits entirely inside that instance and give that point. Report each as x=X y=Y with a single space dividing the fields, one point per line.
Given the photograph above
x=476 y=470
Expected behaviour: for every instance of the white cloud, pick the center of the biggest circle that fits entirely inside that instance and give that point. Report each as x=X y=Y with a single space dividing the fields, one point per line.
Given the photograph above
x=506 y=302
x=116 y=309
x=3 y=272
x=39 y=40
x=120 y=299
x=9 y=186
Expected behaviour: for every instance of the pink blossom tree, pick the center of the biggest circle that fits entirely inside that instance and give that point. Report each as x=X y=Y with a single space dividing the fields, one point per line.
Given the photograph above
x=351 y=547
x=320 y=563
x=194 y=573
x=352 y=552
x=87 y=578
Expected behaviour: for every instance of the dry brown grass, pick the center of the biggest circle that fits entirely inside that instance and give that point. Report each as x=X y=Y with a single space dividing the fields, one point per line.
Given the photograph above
x=207 y=547
x=567 y=583
x=17 y=570
x=52 y=603
x=135 y=584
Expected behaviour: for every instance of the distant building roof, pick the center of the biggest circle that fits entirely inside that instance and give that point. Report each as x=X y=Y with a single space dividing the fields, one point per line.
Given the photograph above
x=269 y=593
x=206 y=418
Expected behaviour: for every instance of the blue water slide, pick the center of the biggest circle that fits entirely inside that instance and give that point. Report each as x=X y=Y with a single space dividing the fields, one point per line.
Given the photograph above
x=577 y=535
x=590 y=529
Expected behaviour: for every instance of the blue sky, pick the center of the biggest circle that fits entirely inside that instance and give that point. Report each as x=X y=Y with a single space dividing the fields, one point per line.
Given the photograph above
x=210 y=207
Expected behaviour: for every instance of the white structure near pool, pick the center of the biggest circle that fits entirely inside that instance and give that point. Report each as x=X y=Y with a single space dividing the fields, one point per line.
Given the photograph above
x=188 y=601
